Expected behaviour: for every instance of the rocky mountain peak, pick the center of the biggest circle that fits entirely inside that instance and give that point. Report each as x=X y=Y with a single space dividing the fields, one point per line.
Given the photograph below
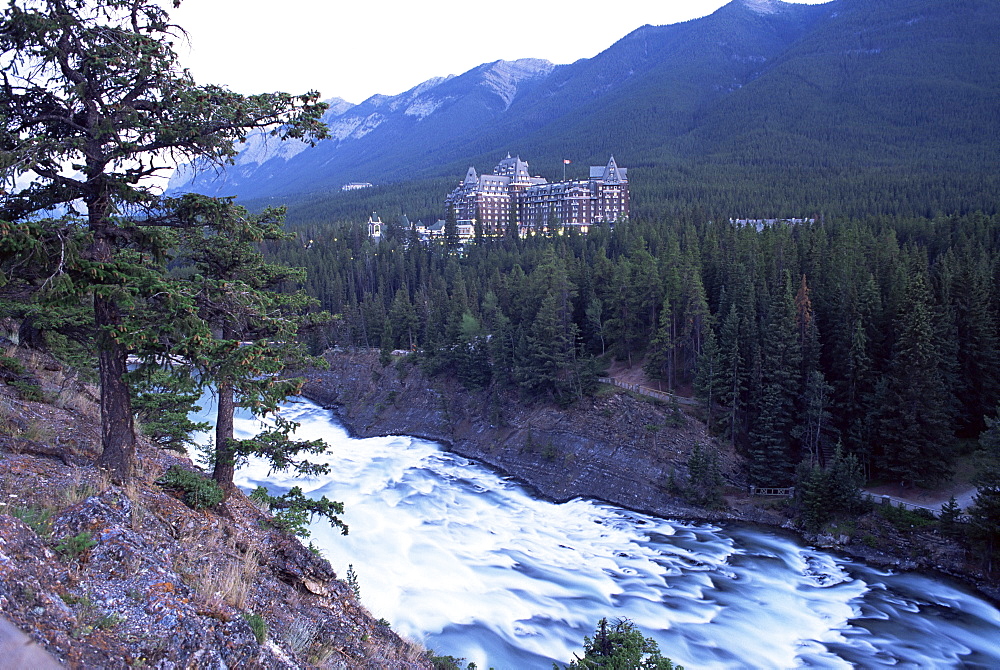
x=764 y=6
x=503 y=76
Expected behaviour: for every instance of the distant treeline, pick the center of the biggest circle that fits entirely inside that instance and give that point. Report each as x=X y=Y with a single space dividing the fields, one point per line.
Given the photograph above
x=879 y=335
x=703 y=191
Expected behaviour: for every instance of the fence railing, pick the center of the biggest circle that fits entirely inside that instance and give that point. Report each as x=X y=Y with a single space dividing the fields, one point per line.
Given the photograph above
x=787 y=491
x=870 y=497
x=902 y=504
x=645 y=390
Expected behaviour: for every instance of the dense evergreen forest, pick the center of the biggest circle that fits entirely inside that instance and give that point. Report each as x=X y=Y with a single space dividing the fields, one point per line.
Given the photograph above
x=879 y=336
x=698 y=191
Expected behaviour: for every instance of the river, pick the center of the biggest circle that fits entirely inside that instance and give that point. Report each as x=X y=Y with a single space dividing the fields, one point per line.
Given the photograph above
x=470 y=564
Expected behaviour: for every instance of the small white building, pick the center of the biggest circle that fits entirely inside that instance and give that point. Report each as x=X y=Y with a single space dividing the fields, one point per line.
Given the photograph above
x=374 y=227
x=355 y=186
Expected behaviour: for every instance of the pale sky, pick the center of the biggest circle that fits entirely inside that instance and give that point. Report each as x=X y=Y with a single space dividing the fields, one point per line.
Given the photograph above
x=353 y=49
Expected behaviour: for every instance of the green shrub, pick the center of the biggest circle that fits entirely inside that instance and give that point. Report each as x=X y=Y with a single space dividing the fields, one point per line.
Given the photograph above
x=108 y=621
x=448 y=662
x=199 y=491
x=621 y=645
x=12 y=364
x=28 y=391
x=258 y=626
x=907 y=519
x=75 y=546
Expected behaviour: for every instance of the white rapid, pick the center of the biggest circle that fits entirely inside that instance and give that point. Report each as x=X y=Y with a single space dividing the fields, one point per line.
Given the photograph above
x=470 y=564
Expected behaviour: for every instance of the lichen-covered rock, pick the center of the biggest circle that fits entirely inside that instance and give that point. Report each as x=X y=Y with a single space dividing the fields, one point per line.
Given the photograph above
x=298 y=566
x=109 y=576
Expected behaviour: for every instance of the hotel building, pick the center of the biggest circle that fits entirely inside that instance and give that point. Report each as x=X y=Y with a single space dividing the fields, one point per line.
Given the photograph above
x=511 y=195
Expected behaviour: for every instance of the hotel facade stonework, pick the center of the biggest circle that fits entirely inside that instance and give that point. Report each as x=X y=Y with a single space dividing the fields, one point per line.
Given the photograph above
x=512 y=197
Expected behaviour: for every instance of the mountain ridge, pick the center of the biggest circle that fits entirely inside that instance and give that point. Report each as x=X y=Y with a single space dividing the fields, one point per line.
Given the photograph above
x=761 y=101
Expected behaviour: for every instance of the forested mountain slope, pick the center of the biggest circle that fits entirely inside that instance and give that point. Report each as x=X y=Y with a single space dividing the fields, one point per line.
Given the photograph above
x=762 y=108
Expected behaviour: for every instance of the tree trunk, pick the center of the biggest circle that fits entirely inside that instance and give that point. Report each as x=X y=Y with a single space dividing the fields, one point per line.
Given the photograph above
x=225 y=455
x=117 y=426
x=28 y=335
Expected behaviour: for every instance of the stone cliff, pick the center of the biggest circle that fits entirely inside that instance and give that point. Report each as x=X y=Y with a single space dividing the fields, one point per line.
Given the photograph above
x=614 y=447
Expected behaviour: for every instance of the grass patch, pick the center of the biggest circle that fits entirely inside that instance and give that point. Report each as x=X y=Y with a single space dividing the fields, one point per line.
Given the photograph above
x=300 y=635
x=79 y=491
x=89 y=617
x=839 y=528
x=75 y=400
x=39 y=432
x=258 y=625
x=229 y=583
x=39 y=519
x=605 y=391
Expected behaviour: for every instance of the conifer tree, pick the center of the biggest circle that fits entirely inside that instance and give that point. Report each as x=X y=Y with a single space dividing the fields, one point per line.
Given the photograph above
x=163 y=402
x=815 y=430
x=477 y=226
x=595 y=322
x=619 y=645
x=732 y=373
x=451 y=230
x=831 y=489
x=977 y=338
x=402 y=321
x=254 y=331
x=772 y=455
x=549 y=363
x=98 y=86
x=808 y=331
x=915 y=427
x=661 y=358
x=512 y=233
x=985 y=512
x=709 y=382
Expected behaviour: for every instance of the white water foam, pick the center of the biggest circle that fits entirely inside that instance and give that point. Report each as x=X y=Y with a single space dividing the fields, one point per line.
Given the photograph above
x=469 y=563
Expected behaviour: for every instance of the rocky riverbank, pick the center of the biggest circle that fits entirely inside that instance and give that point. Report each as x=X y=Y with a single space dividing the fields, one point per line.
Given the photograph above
x=101 y=575
x=615 y=447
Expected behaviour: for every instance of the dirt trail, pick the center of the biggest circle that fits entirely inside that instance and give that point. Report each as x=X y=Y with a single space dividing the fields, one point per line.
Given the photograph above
x=621 y=371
